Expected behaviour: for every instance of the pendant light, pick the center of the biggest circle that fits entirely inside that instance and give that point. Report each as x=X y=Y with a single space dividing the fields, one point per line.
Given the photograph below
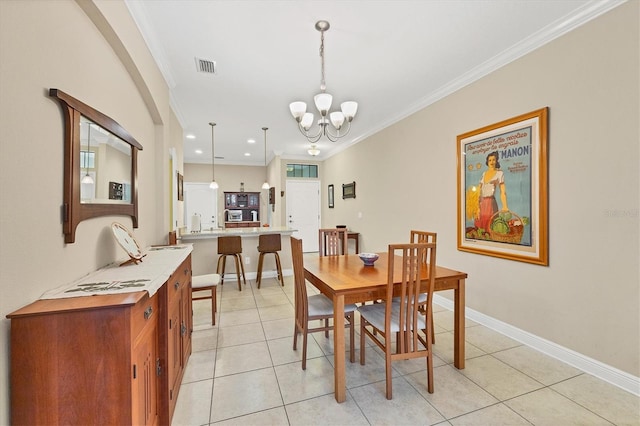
x=213 y=184
x=265 y=185
x=87 y=179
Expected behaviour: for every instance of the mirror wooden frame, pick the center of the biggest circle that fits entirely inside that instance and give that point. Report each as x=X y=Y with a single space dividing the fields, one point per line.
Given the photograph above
x=73 y=211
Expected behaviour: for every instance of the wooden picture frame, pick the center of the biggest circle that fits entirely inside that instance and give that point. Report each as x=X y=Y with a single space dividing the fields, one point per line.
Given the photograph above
x=502 y=189
x=180 y=187
x=349 y=190
x=330 y=196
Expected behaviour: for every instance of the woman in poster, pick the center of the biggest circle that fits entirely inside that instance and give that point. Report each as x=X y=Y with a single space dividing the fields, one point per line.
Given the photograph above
x=492 y=179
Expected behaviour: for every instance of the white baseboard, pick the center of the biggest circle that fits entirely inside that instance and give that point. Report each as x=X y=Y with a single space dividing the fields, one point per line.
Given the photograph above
x=596 y=368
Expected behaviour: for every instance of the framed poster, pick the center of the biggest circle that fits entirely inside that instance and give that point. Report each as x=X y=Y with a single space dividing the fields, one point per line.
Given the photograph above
x=330 y=195
x=502 y=189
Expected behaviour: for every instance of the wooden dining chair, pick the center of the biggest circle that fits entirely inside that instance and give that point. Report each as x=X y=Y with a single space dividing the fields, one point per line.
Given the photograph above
x=332 y=241
x=425 y=237
x=401 y=316
x=315 y=307
x=206 y=283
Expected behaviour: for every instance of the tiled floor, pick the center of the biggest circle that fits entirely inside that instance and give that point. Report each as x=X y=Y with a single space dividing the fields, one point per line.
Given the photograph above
x=243 y=371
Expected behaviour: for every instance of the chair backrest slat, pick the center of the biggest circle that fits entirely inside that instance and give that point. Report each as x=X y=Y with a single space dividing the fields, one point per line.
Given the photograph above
x=418 y=264
x=300 y=290
x=332 y=241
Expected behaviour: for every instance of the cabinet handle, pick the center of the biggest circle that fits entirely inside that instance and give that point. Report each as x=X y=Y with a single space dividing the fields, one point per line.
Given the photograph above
x=158 y=368
x=183 y=329
x=148 y=312
x=176 y=285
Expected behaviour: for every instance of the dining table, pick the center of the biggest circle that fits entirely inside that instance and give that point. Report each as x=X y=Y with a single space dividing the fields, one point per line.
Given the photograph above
x=345 y=279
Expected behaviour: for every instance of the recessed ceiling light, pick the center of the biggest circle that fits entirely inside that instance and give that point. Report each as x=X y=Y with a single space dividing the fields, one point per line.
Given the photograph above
x=247 y=154
x=198 y=151
x=251 y=141
x=190 y=136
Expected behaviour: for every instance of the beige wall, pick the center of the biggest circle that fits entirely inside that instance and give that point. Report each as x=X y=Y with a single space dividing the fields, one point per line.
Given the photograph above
x=96 y=54
x=587 y=299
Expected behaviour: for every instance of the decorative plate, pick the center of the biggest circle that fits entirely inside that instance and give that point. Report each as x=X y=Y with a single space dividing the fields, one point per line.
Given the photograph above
x=126 y=241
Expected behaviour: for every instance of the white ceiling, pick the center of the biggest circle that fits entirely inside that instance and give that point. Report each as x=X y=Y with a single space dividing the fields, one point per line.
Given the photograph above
x=393 y=57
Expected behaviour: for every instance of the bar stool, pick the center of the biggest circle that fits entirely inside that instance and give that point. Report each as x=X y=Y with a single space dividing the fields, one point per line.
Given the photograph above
x=269 y=243
x=206 y=282
x=230 y=246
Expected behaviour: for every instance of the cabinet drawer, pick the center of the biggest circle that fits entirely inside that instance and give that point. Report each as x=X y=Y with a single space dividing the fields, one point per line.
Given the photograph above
x=144 y=312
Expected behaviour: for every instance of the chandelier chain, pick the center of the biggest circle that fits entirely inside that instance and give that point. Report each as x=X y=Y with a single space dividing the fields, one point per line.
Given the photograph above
x=323 y=85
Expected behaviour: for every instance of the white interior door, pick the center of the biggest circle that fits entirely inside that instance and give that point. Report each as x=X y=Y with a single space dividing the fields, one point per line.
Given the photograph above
x=200 y=200
x=303 y=211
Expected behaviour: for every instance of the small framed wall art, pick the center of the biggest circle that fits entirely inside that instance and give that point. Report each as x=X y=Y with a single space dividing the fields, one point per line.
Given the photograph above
x=349 y=190
x=330 y=196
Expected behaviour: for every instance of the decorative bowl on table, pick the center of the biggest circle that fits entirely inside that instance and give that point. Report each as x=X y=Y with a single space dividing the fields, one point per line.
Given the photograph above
x=368 y=258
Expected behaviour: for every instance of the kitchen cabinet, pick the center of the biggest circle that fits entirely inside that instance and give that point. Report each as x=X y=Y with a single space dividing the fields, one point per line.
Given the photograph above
x=102 y=359
x=242 y=224
x=244 y=201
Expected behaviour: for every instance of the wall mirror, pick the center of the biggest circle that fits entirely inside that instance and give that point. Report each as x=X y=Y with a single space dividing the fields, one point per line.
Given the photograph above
x=100 y=159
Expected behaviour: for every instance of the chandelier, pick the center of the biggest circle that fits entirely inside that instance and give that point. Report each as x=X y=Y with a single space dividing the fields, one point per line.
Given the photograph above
x=323 y=104
x=313 y=150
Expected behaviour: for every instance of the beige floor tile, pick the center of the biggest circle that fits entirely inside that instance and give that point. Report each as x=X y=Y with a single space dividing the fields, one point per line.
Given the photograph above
x=200 y=366
x=454 y=394
x=488 y=340
x=272 y=417
x=236 y=303
x=497 y=378
x=324 y=410
x=372 y=371
x=495 y=415
x=194 y=404
x=547 y=407
x=297 y=384
x=543 y=368
x=271 y=298
x=245 y=316
x=244 y=393
x=612 y=403
x=242 y=358
x=204 y=340
x=443 y=348
x=240 y=334
x=278 y=328
x=282 y=350
x=270 y=313
x=407 y=407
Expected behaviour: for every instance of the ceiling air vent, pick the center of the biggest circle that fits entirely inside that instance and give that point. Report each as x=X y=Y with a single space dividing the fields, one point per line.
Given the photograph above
x=206 y=66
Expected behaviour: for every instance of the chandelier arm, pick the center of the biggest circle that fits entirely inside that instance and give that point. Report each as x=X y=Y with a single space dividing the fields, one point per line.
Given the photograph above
x=313 y=138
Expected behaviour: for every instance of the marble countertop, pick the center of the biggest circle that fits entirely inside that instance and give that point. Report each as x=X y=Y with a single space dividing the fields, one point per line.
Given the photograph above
x=243 y=232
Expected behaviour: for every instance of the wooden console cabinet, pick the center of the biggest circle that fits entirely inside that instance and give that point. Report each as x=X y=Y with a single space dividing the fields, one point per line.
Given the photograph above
x=107 y=359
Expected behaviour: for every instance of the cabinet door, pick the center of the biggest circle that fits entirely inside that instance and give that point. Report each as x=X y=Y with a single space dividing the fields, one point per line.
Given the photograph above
x=145 y=378
x=254 y=200
x=174 y=360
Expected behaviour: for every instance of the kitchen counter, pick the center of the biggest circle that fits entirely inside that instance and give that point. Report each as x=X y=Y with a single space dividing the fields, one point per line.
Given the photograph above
x=243 y=232
x=205 y=250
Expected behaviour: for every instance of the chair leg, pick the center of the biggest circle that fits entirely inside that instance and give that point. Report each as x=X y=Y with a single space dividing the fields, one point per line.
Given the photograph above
x=260 y=260
x=326 y=326
x=387 y=362
x=238 y=272
x=295 y=335
x=279 y=268
x=222 y=259
x=352 y=326
x=362 y=338
x=214 y=303
x=304 y=348
x=244 y=279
